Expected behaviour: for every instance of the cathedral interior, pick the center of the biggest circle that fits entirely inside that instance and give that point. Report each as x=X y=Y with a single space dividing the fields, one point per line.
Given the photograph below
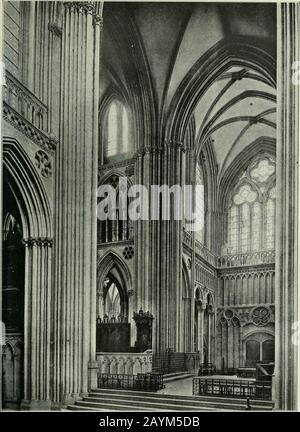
x=159 y=94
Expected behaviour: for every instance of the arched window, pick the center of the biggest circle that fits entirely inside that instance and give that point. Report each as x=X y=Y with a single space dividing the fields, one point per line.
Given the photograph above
x=200 y=203
x=112 y=131
x=117 y=130
x=251 y=211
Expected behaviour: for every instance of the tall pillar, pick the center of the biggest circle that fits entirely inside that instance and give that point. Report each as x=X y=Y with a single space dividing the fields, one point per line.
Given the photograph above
x=201 y=331
x=74 y=319
x=37 y=323
x=158 y=245
x=287 y=209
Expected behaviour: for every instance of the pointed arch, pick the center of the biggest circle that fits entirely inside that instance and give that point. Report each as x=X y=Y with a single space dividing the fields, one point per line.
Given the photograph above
x=260 y=146
x=28 y=190
x=109 y=262
x=208 y=68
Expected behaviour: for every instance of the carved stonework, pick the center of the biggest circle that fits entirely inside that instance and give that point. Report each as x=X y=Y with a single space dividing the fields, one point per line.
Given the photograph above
x=40 y=241
x=175 y=145
x=43 y=163
x=260 y=316
x=143 y=321
x=128 y=252
x=82 y=7
x=28 y=129
x=98 y=21
x=129 y=163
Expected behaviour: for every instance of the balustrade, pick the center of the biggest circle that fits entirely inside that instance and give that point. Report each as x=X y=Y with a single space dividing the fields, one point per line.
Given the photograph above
x=229 y=260
x=25 y=103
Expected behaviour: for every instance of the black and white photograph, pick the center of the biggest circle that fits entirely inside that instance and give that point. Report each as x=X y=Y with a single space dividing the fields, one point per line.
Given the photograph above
x=150 y=208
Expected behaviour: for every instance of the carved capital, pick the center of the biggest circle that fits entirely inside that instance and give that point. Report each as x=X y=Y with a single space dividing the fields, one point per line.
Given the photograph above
x=39 y=241
x=173 y=144
x=81 y=7
x=98 y=20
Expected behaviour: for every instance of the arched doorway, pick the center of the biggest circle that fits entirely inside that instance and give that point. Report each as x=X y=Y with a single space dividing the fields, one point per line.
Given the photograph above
x=13 y=262
x=27 y=257
x=113 y=332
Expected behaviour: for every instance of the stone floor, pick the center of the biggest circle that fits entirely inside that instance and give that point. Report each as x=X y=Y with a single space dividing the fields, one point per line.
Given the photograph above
x=182 y=387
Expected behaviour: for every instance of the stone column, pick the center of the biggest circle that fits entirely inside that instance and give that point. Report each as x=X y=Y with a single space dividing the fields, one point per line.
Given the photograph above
x=201 y=331
x=158 y=247
x=37 y=323
x=287 y=209
x=74 y=317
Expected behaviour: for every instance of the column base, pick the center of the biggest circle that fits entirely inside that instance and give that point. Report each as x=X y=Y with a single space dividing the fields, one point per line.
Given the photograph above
x=36 y=405
x=93 y=368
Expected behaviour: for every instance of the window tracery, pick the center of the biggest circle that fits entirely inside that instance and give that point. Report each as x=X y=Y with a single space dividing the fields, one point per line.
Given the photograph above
x=251 y=212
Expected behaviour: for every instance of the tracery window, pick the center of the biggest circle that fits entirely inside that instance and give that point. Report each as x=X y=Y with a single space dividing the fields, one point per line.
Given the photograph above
x=116 y=137
x=251 y=212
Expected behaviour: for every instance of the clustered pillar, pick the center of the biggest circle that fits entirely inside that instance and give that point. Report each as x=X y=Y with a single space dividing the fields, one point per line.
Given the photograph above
x=74 y=319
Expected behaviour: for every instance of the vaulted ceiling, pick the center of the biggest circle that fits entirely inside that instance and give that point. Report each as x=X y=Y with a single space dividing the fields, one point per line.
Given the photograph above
x=163 y=41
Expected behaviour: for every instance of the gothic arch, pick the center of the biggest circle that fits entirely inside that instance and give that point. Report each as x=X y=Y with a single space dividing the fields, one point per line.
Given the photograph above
x=36 y=218
x=262 y=145
x=207 y=69
x=112 y=173
x=109 y=262
x=27 y=188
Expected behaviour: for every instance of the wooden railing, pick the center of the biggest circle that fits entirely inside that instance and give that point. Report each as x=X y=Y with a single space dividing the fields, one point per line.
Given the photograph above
x=144 y=382
x=232 y=388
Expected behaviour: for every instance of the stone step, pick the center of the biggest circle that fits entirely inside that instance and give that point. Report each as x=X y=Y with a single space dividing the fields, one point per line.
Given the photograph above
x=174 y=374
x=126 y=401
x=128 y=405
x=187 y=399
x=163 y=403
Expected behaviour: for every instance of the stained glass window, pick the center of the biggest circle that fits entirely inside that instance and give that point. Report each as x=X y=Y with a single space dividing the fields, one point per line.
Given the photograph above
x=251 y=213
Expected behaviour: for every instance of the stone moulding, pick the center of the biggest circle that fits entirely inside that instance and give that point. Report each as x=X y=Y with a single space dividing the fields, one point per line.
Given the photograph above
x=47 y=142
x=40 y=241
